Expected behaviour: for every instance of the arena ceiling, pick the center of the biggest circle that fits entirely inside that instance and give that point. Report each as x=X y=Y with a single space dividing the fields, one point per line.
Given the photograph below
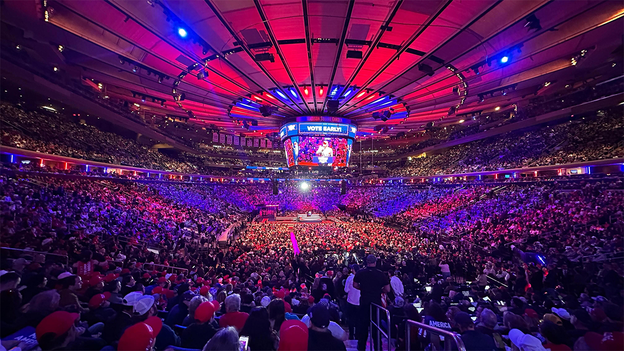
x=399 y=63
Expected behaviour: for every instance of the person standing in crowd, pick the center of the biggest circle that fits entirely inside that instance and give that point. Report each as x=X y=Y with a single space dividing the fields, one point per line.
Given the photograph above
x=353 y=302
x=372 y=283
x=396 y=283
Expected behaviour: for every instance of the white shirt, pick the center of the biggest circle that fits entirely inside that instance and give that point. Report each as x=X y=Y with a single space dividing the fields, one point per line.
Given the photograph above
x=325 y=153
x=353 y=294
x=397 y=286
x=444 y=267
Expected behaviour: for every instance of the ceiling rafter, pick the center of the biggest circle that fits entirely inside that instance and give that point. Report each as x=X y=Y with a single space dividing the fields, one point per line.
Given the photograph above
x=278 y=50
x=343 y=37
x=404 y=47
x=220 y=56
x=308 y=39
x=373 y=44
x=232 y=32
x=531 y=37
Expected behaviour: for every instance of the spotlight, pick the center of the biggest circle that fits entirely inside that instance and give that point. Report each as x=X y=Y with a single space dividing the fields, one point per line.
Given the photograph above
x=61 y=48
x=504 y=59
x=201 y=75
x=182 y=96
x=55 y=69
x=497 y=108
x=481 y=98
x=135 y=69
x=160 y=79
x=18 y=47
x=305 y=186
x=182 y=32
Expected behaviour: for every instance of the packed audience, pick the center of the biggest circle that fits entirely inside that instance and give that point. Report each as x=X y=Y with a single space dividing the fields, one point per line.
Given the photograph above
x=138 y=266
x=576 y=141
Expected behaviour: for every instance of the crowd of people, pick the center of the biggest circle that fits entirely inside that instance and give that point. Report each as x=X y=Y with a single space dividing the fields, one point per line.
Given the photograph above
x=583 y=139
x=135 y=265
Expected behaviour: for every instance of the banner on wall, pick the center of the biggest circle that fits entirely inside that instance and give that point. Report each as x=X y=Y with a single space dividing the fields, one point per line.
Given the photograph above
x=262 y=142
x=229 y=139
x=269 y=144
x=215 y=137
x=249 y=142
x=222 y=138
x=236 y=140
x=256 y=142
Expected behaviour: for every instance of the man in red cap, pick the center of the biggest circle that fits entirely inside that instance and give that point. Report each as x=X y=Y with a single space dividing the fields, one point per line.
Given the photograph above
x=293 y=336
x=58 y=331
x=99 y=309
x=140 y=336
x=198 y=333
x=146 y=309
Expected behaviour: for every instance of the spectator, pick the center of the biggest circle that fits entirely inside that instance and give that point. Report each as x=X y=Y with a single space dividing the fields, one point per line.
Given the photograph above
x=233 y=317
x=225 y=339
x=473 y=340
x=319 y=337
x=372 y=283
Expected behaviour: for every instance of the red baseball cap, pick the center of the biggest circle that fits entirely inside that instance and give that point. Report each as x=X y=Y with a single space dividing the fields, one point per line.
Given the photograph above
x=146 y=276
x=204 y=290
x=293 y=336
x=95 y=280
x=529 y=312
x=125 y=271
x=216 y=305
x=204 y=312
x=607 y=341
x=110 y=277
x=140 y=336
x=156 y=324
x=162 y=280
x=99 y=299
x=57 y=323
x=157 y=290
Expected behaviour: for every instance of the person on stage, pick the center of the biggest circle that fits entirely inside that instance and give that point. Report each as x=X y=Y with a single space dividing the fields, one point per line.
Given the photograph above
x=324 y=152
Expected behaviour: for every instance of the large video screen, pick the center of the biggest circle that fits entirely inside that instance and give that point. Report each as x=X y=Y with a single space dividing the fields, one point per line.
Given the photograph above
x=318 y=151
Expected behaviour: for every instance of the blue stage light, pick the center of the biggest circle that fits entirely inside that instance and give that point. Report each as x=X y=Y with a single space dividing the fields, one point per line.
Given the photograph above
x=504 y=59
x=182 y=32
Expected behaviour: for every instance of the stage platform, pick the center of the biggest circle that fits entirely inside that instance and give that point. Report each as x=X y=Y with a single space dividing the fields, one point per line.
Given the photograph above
x=302 y=218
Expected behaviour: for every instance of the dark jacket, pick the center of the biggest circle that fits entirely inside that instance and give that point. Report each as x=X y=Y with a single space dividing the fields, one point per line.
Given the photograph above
x=113 y=330
x=324 y=341
x=177 y=315
x=196 y=335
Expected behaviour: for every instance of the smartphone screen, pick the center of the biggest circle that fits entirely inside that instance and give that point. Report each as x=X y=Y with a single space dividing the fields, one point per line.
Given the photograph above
x=486 y=299
x=243 y=340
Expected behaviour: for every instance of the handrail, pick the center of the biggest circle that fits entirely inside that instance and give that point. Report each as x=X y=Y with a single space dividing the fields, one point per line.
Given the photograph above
x=377 y=327
x=447 y=345
x=497 y=281
x=38 y=252
x=154 y=265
